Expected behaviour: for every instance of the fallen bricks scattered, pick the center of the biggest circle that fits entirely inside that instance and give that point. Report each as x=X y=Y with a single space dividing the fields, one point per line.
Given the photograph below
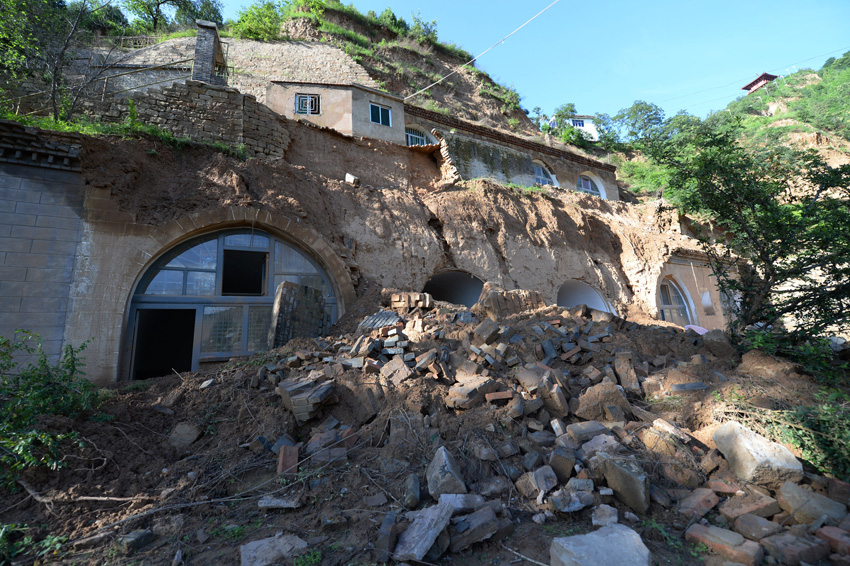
x=569 y=390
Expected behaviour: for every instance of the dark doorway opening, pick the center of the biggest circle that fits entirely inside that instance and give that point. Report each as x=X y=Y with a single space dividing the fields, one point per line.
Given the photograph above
x=164 y=342
x=243 y=273
x=456 y=287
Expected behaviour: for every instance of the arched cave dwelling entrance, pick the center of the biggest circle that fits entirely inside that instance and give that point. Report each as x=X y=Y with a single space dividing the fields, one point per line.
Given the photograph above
x=575 y=292
x=210 y=298
x=458 y=287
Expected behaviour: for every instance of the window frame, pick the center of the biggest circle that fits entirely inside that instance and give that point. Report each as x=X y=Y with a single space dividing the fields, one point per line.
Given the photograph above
x=585 y=190
x=381 y=108
x=310 y=98
x=577 y=123
x=683 y=310
x=412 y=131
x=271 y=245
x=548 y=174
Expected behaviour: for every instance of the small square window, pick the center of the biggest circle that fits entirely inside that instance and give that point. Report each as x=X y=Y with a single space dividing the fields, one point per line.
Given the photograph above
x=380 y=114
x=307 y=104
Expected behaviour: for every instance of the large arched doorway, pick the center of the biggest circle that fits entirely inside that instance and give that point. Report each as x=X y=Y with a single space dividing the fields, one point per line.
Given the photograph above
x=458 y=287
x=575 y=292
x=210 y=299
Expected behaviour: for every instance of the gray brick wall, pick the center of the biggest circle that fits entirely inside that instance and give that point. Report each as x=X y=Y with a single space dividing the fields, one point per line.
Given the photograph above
x=40 y=225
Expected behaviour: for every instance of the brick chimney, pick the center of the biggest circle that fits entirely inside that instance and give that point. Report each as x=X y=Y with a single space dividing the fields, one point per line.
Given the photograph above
x=210 y=60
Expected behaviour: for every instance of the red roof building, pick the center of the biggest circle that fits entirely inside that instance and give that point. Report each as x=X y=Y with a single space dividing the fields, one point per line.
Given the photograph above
x=762 y=80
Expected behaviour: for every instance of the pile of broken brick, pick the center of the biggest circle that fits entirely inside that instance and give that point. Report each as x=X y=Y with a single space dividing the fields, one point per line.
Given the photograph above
x=569 y=397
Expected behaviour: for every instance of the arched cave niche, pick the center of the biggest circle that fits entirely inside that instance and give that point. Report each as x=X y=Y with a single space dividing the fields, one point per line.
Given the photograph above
x=458 y=287
x=575 y=292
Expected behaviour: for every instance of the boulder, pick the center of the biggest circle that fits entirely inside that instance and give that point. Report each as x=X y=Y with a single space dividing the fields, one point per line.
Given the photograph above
x=807 y=506
x=591 y=405
x=629 y=482
x=444 y=475
x=614 y=545
x=718 y=344
x=183 y=435
x=755 y=459
x=419 y=537
x=270 y=550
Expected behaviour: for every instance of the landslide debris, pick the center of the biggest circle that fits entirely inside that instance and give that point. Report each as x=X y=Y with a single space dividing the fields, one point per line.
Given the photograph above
x=514 y=428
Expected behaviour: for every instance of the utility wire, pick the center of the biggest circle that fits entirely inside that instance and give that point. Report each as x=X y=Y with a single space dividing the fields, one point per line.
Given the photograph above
x=741 y=80
x=483 y=52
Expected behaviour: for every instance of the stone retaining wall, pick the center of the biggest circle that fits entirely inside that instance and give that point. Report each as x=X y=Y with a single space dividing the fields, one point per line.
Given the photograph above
x=205 y=112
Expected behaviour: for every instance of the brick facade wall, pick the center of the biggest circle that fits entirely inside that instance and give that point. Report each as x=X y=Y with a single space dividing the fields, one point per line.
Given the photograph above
x=40 y=224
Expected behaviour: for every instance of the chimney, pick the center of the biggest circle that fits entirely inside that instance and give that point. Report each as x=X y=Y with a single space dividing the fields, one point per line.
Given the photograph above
x=210 y=60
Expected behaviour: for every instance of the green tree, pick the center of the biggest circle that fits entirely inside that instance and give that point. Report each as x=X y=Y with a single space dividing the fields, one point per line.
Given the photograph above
x=155 y=15
x=261 y=20
x=108 y=19
x=26 y=31
x=188 y=12
x=641 y=123
x=609 y=134
x=787 y=219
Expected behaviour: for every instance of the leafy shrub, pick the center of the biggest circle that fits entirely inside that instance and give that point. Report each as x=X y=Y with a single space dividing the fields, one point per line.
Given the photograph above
x=38 y=388
x=423 y=31
x=393 y=22
x=261 y=20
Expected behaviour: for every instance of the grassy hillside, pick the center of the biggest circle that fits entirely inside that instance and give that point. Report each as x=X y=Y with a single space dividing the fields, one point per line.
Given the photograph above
x=808 y=109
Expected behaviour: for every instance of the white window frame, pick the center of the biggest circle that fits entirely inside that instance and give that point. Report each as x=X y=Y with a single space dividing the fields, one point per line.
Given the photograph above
x=420 y=137
x=381 y=107
x=578 y=123
x=587 y=185
x=547 y=176
x=313 y=104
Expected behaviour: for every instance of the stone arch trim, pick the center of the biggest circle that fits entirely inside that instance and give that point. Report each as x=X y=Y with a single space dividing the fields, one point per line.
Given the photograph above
x=275 y=223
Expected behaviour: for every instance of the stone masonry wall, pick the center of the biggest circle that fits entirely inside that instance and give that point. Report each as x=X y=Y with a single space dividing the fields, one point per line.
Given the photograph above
x=206 y=112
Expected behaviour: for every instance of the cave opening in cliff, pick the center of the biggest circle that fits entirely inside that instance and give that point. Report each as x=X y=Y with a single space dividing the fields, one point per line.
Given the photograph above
x=576 y=292
x=457 y=287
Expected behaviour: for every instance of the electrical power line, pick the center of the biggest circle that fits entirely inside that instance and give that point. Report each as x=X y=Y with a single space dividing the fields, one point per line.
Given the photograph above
x=483 y=52
x=738 y=81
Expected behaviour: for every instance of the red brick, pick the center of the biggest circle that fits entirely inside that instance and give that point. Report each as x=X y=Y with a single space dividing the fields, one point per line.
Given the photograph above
x=499 y=396
x=721 y=541
x=754 y=503
x=838 y=539
x=287 y=461
x=723 y=487
x=700 y=502
x=791 y=550
x=756 y=528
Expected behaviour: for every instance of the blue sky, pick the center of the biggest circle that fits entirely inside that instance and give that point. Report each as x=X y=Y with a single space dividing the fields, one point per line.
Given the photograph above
x=603 y=56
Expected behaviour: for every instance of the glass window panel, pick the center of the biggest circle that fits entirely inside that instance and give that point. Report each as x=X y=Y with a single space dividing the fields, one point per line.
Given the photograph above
x=255 y=241
x=202 y=256
x=278 y=279
x=385 y=117
x=290 y=260
x=200 y=283
x=313 y=281
x=166 y=282
x=259 y=321
x=665 y=295
x=221 y=330
x=375 y=113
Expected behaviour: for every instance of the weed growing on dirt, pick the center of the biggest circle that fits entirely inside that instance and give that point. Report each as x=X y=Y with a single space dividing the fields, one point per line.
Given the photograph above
x=130 y=128
x=14 y=541
x=37 y=388
x=675 y=544
x=312 y=558
x=820 y=431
